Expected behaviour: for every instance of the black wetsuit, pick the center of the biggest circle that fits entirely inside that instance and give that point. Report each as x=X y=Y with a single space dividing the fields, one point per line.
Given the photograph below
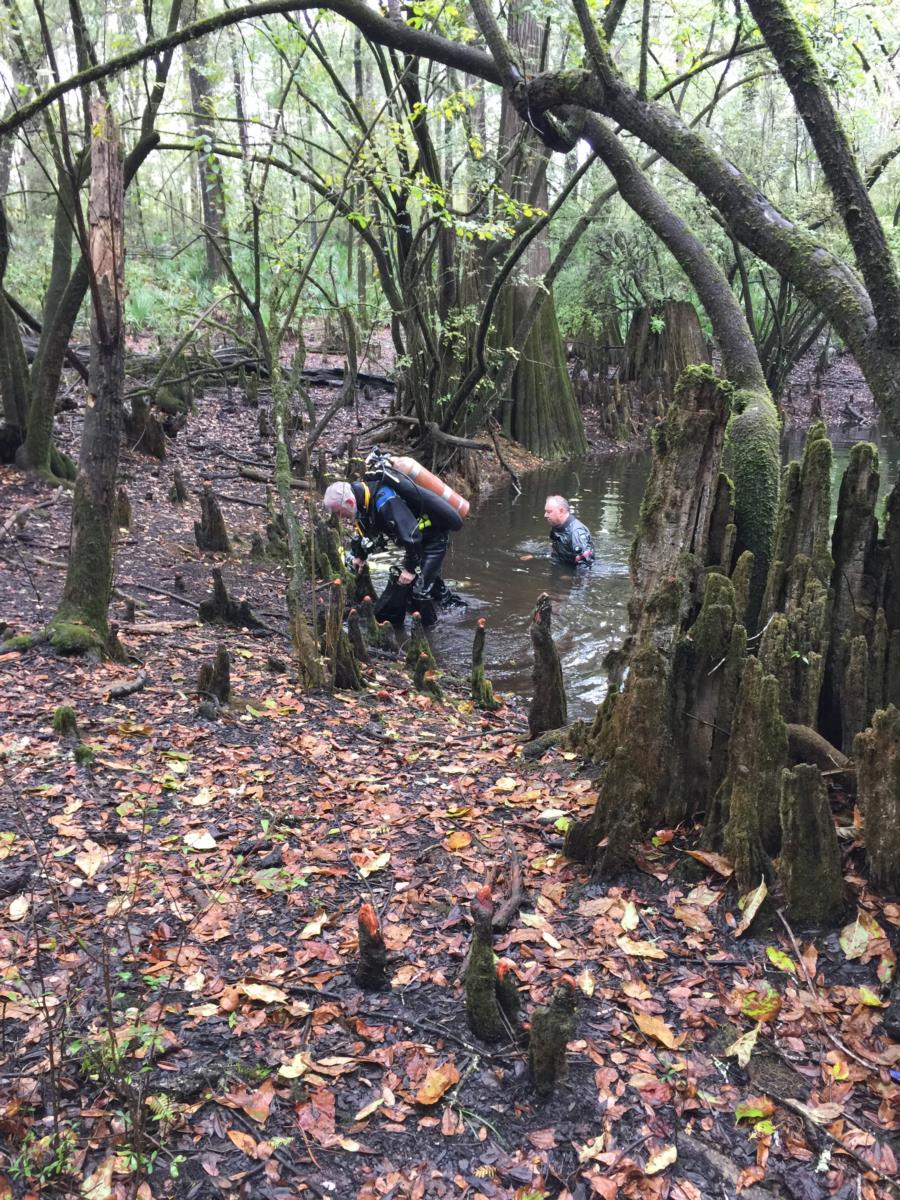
x=382 y=513
x=571 y=545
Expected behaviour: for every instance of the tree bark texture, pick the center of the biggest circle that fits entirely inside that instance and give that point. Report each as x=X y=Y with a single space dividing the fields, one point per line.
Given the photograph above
x=548 y=700
x=877 y=753
x=85 y=599
x=641 y=734
x=209 y=166
x=540 y=409
x=809 y=865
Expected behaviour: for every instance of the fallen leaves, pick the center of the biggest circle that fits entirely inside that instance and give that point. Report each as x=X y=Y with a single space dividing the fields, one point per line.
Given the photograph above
x=437 y=1082
x=656 y=1028
x=661 y=1160
x=716 y=862
x=200 y=839
x=751 y=905
x=742 y=1048
x=639 y=949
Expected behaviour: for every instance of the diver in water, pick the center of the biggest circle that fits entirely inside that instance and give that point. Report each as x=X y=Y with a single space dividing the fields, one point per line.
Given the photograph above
x=570 y=539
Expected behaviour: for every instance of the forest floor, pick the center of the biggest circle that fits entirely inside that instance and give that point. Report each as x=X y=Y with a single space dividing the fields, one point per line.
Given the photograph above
x=178 y=938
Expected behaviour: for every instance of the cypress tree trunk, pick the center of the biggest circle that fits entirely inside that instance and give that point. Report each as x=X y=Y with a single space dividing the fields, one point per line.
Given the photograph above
x=540 y=410
x=640 y=734
x=80 y=621
x=209 y=166
x=13 y=366
x=654 y=357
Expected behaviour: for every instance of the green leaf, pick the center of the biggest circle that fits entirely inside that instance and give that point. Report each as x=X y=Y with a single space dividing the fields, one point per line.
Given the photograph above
x=868 y=997
x=782 y=961
x=754 y=1108
x=762 y=1003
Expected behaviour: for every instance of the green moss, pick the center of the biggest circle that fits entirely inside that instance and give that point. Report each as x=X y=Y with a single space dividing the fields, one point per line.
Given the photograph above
x=810 y=862
x=21 y=641
x=64 y=721
x=696 y=375
x=753 y=439
x=877 y=754
x=74 y=637
x=711 y=632
x=757 y=753
x=741 y=577
x=84 y=755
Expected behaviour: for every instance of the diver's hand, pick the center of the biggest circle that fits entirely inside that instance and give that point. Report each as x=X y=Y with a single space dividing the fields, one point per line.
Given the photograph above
x=406 y=577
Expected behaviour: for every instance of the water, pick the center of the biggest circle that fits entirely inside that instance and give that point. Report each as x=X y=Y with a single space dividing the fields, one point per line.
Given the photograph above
x=499 y=562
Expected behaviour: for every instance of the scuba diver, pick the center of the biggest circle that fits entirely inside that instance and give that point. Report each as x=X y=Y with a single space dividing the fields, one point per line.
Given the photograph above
x=570 y=539
x=389 y=505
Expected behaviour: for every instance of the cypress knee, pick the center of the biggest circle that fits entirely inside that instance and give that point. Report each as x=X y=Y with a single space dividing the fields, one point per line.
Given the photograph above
x=482 y=1007
x=425 y=677
x=354 y=633
x=757 y=752
x=551 y=1028
x=372 y=968
x=877 y=754
x=810 y=862
x=209 y=531
x=482 y=691
x=178 y=493
x=344 y=667
x=548 y=704
x=214 y=678
x=418 y=644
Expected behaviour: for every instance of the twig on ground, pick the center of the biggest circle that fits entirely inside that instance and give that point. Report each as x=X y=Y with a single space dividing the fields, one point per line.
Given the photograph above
x=128 y=689
x=832 y=1037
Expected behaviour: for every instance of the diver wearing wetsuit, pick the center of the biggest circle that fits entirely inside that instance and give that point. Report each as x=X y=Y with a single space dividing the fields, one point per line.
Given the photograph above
x=570 y=539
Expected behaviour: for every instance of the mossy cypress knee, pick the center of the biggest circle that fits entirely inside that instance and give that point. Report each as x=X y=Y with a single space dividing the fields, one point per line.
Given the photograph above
x=753 y=437
x=877 y=755
x=552 y=1027
x=482 y=1007
x=809 y=865
x=548 y=708
x=418 y=645
x=482 y=691
x=757 y=753
x=425 y=677
x=65 y=723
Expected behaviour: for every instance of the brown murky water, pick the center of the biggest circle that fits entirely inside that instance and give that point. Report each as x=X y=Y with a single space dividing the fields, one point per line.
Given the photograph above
x=500 y=563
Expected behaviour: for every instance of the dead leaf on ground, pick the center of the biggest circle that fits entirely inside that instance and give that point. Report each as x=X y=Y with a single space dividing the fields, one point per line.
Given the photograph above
x=656 y=1028
x=662 y=1159
x=639 y=949
x=437 y=1081
x=716 y=862
x=752 y=905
